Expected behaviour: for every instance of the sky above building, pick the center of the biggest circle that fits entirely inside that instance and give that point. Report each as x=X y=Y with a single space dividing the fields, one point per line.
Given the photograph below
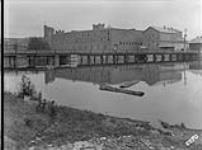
x=25 y=18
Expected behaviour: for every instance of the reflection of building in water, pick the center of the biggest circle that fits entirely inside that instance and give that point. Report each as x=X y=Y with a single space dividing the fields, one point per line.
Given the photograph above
x=196 y=67
x=151 y=74
x=49 y=76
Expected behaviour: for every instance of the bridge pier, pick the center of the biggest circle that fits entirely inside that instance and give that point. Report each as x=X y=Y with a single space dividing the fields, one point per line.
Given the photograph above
x=34 y=59
x=57 y=60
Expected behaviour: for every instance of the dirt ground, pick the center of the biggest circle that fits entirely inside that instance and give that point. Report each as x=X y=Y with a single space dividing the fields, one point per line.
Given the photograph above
x=73 y=129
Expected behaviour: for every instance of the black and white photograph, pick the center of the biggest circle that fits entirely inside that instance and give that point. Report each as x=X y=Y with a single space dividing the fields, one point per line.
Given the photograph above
x=102 y=75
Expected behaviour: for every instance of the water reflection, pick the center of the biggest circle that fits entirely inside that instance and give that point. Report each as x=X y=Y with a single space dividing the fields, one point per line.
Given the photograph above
x=172 y=91
x=150 y=73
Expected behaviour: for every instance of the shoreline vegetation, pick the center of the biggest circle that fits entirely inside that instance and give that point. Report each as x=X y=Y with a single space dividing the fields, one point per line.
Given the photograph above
x=29 y=123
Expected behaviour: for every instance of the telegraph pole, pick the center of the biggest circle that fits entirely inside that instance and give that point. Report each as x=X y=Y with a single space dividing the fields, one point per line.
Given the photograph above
x=185 y=77
x=185 y=35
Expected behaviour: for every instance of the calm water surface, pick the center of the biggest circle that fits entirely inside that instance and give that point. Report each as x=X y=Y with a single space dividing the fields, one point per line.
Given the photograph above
x=173 y=92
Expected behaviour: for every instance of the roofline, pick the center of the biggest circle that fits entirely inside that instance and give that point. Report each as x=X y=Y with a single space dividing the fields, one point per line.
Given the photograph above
x=195 y=42
x=160 y=31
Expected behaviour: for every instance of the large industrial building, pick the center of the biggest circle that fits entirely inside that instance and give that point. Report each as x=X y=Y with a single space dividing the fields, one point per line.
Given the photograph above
x=101 y=39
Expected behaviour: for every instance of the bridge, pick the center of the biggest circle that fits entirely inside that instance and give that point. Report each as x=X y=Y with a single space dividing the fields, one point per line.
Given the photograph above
x=44 y=58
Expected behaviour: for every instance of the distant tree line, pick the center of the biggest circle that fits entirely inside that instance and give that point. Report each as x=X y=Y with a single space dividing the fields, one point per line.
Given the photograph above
x=36 y=43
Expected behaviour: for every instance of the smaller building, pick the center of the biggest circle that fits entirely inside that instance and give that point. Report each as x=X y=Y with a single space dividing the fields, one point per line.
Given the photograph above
x=163 y=38
x=15 y=44
x=196 y=44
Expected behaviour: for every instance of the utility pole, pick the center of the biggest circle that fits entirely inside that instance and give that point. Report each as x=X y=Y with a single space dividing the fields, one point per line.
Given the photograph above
x=185 y=35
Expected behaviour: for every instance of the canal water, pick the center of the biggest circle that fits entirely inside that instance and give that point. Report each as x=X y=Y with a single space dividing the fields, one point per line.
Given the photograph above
x=173 y=91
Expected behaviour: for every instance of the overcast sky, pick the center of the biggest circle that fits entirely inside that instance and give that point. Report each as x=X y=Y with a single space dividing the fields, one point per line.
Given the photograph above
x=24 y=18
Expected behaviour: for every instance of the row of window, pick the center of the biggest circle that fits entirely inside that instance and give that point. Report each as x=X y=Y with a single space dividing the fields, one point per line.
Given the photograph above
x=86 y=36
x=130 y=43
x=86 y=47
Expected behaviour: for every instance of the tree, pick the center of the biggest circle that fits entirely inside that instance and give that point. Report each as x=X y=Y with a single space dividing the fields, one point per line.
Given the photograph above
x=36 y=43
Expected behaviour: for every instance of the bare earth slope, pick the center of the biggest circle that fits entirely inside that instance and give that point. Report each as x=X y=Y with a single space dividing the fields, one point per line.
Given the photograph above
x=26 y=128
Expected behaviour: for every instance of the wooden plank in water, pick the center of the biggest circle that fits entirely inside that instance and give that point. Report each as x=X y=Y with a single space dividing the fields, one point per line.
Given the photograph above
x=117 y=90
x=128 y=84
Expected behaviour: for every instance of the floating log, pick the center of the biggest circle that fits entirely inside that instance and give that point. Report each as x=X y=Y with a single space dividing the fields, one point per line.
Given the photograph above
x=118 y=90
x=128 y=84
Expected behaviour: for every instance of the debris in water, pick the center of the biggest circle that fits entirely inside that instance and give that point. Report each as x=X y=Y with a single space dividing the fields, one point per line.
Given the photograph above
x=114 y=89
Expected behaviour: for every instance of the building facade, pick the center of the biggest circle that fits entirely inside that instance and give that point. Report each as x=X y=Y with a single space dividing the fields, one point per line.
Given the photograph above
x=97 y=40
x=15 y=44
x=196 y=44
x=101 y=39
x=163 y=38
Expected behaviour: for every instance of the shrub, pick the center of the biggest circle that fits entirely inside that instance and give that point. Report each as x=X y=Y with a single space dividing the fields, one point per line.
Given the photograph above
x=26 y=87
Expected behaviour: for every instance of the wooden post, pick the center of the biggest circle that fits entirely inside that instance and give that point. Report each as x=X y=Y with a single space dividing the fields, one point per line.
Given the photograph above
x=145 y=58
x=29 y=61
x=81 y=59
x=94 y=59
x=9 y=61
x=114 y=59
x=126 y=58
x=162 y=58
x=134 y=61
x=101 y=58
x=154 y=57
x=47 y=61
x=57 y=60
x=88 y=59
x=14 y=61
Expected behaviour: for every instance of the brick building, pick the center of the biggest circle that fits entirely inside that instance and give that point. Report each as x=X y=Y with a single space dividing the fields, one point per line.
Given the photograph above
x=196 y=44
x=163 y=38
x=101 y=39
x=12 y=44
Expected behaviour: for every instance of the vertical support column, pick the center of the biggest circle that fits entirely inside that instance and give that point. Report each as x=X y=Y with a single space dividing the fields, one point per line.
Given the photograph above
x=162 y=58
x=154 y=58
x=114 y=59
x=88 y=59
x=81 y=59
x=94 y=59
x=34 y=61
x=106 y=59
x=57 y=60
x=47 y=60
x=126 y=58
x=169 y=57
x=101 y=58
x=134 y=61
x=29 y=61
x=14 y=61
x=145 y=58
x=9 y=61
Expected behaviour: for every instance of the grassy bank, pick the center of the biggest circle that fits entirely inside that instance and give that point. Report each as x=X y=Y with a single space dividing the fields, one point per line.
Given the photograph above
x=24 y=124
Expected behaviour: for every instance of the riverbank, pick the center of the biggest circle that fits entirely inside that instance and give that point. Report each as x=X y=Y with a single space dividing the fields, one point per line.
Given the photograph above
x=26 y=128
